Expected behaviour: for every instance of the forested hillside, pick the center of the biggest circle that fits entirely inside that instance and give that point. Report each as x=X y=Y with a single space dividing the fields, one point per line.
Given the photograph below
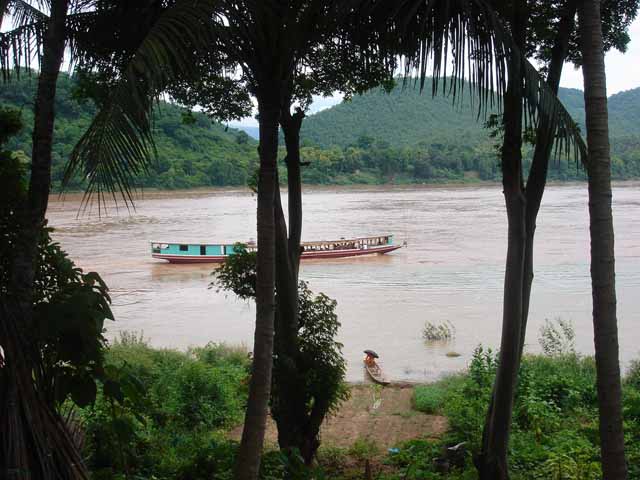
x=190 y=154
x=407 y=117
x=402 y=137
x=410 y=136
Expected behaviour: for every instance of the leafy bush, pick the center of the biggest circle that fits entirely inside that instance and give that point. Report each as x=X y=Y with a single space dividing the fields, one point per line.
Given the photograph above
x=429 y=398
x=214 y=353
x=364 y=449
x=415 y=459
x=555 y=417
x=65 y=337
x=632 y=378
x=176 y=428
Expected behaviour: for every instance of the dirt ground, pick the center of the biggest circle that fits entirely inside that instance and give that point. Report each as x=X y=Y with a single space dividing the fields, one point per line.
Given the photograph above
x=382 y=414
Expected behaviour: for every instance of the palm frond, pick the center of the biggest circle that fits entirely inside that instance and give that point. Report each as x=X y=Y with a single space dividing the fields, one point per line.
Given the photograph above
x=23 y=13
x=460 y=41
x=21 y=47
x=541 y=102
x=119 y=145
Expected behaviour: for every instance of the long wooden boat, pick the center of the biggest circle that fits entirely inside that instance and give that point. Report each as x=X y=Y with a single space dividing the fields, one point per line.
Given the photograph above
x=376 y=374
x=218 y=252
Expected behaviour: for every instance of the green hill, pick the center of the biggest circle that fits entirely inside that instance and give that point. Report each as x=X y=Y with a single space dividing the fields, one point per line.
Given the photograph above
x=190 y=154
x=402 y=137
x=402 y=118
x=406 y=117
x=409 y=136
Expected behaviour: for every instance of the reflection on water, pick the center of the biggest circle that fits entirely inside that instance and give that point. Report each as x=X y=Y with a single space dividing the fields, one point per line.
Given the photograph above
x=452 y=268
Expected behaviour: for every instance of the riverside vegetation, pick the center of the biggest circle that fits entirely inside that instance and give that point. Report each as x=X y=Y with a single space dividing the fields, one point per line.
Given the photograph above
x=415 y=139
x=177 y=429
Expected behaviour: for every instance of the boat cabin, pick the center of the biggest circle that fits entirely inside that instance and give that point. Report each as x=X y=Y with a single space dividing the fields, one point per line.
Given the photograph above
x=195 y=249
x=348 y=244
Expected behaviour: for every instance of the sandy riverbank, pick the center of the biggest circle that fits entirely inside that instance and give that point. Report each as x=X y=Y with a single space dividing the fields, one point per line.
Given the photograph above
x=384 y=415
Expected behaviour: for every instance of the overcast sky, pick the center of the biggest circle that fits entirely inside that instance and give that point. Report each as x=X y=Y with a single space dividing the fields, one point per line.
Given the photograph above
x=623 y=73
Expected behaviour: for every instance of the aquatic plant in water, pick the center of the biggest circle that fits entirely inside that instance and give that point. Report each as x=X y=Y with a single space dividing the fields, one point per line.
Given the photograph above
x=438 y=331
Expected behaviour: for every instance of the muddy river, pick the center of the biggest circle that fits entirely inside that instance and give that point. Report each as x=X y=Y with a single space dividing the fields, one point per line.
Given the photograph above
x=451 y=269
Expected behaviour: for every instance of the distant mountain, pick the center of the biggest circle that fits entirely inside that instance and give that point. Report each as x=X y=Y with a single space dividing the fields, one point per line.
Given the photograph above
x=409 y=136
x=253 y=132
x=190 y=154
x=406 y=118
x=402 y=137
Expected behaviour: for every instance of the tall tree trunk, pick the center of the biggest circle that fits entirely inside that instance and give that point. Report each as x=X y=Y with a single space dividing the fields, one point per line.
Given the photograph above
x=537 y=178
x=291 y=125
x=248 y=461
x=492 y=461
x=602 y=242
x=34 y=439
x=287 y=400
x=296 y=426
x=40 y=181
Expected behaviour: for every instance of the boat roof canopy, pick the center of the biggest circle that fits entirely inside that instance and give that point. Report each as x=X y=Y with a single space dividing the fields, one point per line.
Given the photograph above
x=253 y=243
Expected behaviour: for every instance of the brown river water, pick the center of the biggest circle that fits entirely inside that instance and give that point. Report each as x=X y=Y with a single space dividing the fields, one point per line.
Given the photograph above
x=451 y=270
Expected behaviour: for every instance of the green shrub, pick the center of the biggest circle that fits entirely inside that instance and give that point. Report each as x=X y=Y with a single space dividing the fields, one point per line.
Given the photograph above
x=632 y=378
x=364 y=449
x=555 y=418
x=175 y=431
x=429 y=398
x=415 y=459
x=216 y=353
x=332 y=460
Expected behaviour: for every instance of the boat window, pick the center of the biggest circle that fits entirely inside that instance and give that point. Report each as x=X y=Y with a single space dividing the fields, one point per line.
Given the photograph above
x=184 y=248
x=203 y=249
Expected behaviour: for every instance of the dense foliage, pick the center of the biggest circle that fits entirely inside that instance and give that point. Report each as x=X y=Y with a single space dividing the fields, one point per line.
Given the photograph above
x=408 y=136
x=414 y=139
x=555 y=429
x=192 y=150
x=66 y=342
x=176 y=428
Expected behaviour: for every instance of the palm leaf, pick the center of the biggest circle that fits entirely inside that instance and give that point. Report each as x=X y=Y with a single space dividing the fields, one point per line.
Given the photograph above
x=119 y=145
x=468 y=34
x=23 y=13
x=22 y=45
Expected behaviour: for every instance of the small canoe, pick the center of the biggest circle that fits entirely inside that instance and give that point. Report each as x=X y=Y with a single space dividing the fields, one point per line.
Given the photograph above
x=376 y=374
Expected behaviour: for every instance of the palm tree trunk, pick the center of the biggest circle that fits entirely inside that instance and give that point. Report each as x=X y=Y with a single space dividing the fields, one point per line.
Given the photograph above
x=34 y=439
x=537 y=178
x=492 y=461
x=248 y=461
x=602 y=242
x=40 y=181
